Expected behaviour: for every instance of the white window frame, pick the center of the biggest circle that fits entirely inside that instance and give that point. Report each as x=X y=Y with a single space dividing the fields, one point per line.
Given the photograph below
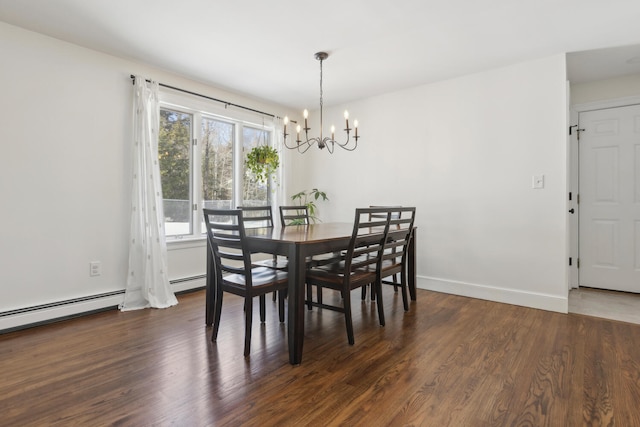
x=199 y=107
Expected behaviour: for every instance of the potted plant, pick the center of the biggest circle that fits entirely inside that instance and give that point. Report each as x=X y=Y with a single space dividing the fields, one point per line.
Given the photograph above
x=308 y=199
x=263 y=161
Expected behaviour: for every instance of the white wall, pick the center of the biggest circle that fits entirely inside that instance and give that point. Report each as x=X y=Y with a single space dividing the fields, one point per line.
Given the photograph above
x=464 y=152
x=65 y=116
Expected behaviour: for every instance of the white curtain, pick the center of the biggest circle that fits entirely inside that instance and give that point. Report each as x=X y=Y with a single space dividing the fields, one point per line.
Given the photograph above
x=147 y=281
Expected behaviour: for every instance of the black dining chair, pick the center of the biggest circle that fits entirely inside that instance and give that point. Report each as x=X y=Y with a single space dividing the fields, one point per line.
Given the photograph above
x=394 y=257
x=234 y=271
x=395 y=276
x=395 y=280
x=360 y=266
x=294 y=215
x=257 y=217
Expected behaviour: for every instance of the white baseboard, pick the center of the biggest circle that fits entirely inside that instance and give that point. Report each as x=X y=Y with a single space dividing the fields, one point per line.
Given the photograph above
x=46 y=313
x=508 y=296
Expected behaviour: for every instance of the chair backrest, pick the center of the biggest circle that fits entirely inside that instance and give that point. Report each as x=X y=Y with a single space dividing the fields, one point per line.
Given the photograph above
x=294 y=215
x=257 y=216
x=226 y=237
x=370 y=230
x=394 y=215
x=400 y=232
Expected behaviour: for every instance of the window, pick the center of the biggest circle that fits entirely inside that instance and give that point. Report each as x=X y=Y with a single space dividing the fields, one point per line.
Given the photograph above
x=202 y=156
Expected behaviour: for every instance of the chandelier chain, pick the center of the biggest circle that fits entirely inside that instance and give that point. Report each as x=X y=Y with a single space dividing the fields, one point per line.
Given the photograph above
x=321 y=103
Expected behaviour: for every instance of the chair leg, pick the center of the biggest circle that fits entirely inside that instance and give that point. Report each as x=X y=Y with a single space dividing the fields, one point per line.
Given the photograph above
x=346 y=297
x=364 y=292
x=210 y=301
x=248 y=313
x=217 y=311
x=263 y=309
x=379 y=303
x=403 y=286
x=309 y=296
x=395 y=282
x=281 y=296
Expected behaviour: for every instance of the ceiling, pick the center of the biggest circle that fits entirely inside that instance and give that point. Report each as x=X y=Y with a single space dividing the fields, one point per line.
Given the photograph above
x=266 y=49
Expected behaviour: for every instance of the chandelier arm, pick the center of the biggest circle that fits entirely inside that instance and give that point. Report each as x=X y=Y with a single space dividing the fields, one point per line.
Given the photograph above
x=298 y=146
x=345 y=145
x=330 y=144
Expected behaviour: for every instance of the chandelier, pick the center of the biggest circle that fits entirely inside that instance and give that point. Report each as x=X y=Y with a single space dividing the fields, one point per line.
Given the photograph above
x=329 y=142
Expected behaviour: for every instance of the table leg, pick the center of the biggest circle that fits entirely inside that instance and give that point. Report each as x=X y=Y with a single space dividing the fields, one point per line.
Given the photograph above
x=411 y=266
x=295 y=326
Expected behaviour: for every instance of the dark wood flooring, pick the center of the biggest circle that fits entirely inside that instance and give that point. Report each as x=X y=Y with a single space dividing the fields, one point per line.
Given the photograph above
x=450 y=361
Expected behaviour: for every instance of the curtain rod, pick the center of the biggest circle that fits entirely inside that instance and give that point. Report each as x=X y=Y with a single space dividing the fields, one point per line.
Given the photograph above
x=226 y=103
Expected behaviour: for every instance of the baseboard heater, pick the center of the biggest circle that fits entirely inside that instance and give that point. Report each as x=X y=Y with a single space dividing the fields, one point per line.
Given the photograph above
x=27 y=317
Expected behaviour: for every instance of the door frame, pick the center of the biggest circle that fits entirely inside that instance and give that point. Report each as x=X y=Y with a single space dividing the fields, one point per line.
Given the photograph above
x=574 y=176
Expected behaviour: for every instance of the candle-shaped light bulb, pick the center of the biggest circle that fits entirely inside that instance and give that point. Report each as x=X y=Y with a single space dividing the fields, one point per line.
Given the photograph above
x=333 y=131
x=305 y=113
x=286 y=120
x=298 y=129
x=346 y=115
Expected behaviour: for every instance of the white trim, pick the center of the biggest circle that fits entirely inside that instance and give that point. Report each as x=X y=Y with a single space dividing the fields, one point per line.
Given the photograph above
x=186 y=242
x=604 y=104
x=50 y=314
x=540 y=301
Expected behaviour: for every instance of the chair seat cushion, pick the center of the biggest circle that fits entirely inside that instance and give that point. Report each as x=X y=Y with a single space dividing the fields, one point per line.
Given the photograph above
x=335 y=273
x=259 y=276
x=279 y=264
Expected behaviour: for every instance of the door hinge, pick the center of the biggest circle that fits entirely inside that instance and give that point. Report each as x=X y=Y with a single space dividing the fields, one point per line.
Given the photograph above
x=570 y=261
x=577 y=262
x=195 y=206
x=578 y=198
x=195 y=141
x=569 y=195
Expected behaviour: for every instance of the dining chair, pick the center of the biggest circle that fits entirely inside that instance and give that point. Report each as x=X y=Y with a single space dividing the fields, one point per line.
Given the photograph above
x=299 y=215
x=395 y=278
x=257 y=217
x=394 y=257
x=360 y=266
x=234 y=271
x=294 y=215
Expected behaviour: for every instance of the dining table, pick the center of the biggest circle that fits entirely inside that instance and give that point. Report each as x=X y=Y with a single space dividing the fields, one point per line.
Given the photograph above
x=298 y=243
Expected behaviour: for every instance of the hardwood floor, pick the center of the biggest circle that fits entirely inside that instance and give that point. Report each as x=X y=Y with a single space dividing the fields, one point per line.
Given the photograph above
x=450 y=361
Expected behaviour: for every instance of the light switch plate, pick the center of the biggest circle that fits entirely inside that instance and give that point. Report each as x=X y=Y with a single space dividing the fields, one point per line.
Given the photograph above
x=538 y=181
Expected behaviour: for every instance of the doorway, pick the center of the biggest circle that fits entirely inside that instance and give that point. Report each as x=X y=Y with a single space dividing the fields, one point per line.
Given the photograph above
x=607 y=201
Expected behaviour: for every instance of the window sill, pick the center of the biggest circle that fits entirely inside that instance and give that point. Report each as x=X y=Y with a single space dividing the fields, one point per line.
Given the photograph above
x=186 y=242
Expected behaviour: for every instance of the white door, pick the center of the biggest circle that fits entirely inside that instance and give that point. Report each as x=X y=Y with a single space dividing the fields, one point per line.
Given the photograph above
x=609 y=205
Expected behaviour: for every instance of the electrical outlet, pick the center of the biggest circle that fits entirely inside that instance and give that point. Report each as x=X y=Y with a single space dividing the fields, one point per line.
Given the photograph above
x=95 y=268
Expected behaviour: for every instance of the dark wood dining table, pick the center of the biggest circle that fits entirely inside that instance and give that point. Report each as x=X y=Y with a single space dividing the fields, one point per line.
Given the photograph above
x=298 y=242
